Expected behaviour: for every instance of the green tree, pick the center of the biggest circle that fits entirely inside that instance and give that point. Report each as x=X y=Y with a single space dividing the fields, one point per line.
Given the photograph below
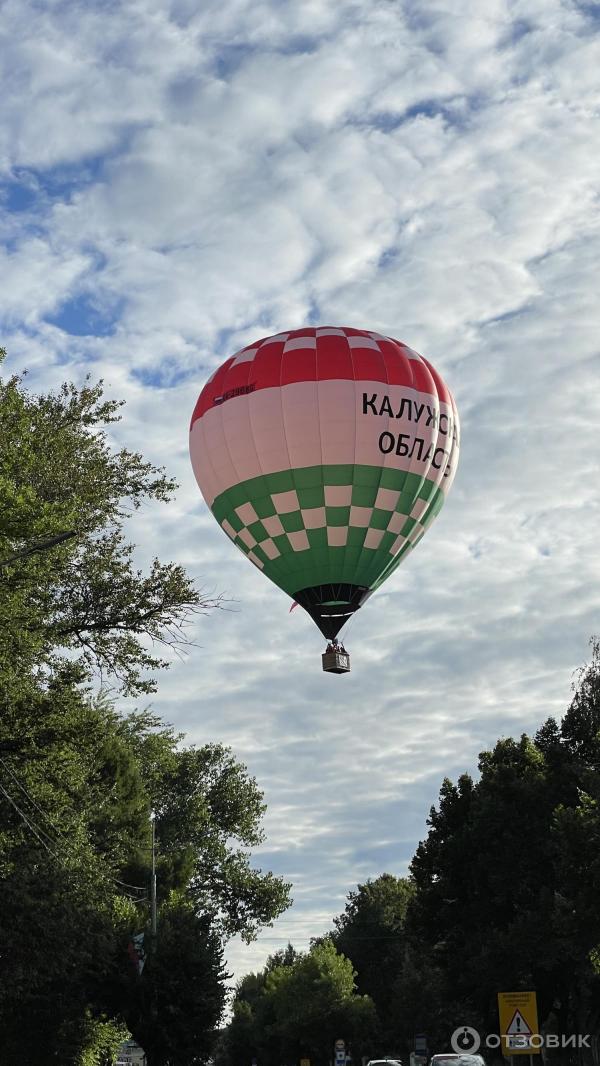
x=315 y=1002
x=576 y=833
x=76 y=780
x=173 y=1008
x=61 y=908
x=251 y=1032
x=506 y=881
x=68 y=582
x=370 y=932
x=298 y=1008
x=208 y=818
x=74 y=835
x=484 y=905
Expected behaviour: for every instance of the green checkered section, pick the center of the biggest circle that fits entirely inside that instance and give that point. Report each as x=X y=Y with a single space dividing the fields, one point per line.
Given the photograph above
x=324 y=524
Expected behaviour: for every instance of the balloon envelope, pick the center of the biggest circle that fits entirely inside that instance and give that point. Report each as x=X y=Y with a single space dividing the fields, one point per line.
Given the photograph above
x=325 y=454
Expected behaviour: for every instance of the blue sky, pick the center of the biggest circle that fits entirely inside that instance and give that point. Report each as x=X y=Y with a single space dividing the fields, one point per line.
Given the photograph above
x=176 y=181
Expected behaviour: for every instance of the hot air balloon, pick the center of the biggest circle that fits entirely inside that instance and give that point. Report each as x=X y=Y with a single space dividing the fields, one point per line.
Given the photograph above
x=325 y=453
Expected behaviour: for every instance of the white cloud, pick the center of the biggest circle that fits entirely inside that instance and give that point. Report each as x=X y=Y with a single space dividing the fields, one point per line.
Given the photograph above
x=36 y=278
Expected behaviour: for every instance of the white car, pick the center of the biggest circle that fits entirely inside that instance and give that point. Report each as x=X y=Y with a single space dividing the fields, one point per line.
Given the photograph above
x=384 y=1062
x=451 y=1058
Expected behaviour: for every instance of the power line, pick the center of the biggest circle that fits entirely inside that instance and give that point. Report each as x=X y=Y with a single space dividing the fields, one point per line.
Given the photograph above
x=138 y=888
x=40 y=833
x=316 y=936
x=39 y=546
x=31 y=799
x=32 y=827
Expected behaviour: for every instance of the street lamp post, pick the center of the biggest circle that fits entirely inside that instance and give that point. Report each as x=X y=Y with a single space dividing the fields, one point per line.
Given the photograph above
x=153 y=881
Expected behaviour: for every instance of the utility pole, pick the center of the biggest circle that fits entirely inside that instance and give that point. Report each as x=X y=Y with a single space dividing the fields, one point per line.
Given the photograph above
x=153 y=882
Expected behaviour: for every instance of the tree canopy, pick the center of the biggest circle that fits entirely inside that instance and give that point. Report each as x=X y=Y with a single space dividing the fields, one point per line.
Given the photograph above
x=78 y=780
x=505 y=894
x=69 y=584
x=297 y=1007
x=370 y=932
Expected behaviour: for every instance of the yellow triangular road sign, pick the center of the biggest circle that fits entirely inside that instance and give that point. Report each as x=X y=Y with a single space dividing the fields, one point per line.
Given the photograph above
x=518 y=1026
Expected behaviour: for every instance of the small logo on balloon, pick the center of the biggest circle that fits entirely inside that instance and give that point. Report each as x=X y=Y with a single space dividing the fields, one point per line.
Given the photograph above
x=242 y=390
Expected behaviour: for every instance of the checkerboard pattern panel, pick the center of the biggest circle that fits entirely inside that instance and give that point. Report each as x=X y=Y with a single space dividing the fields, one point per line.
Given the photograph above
x=328 y=523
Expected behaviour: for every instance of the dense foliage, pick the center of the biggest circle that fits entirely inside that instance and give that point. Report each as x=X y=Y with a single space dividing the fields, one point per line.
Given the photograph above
x=296 y=1008
x=68 y=580
x=78 y=780
x=506 y=882
x=370 y=932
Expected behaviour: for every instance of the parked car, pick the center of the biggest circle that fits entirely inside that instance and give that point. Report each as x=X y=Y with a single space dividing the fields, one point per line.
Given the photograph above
x=452 y=1058
x=384 y=1062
